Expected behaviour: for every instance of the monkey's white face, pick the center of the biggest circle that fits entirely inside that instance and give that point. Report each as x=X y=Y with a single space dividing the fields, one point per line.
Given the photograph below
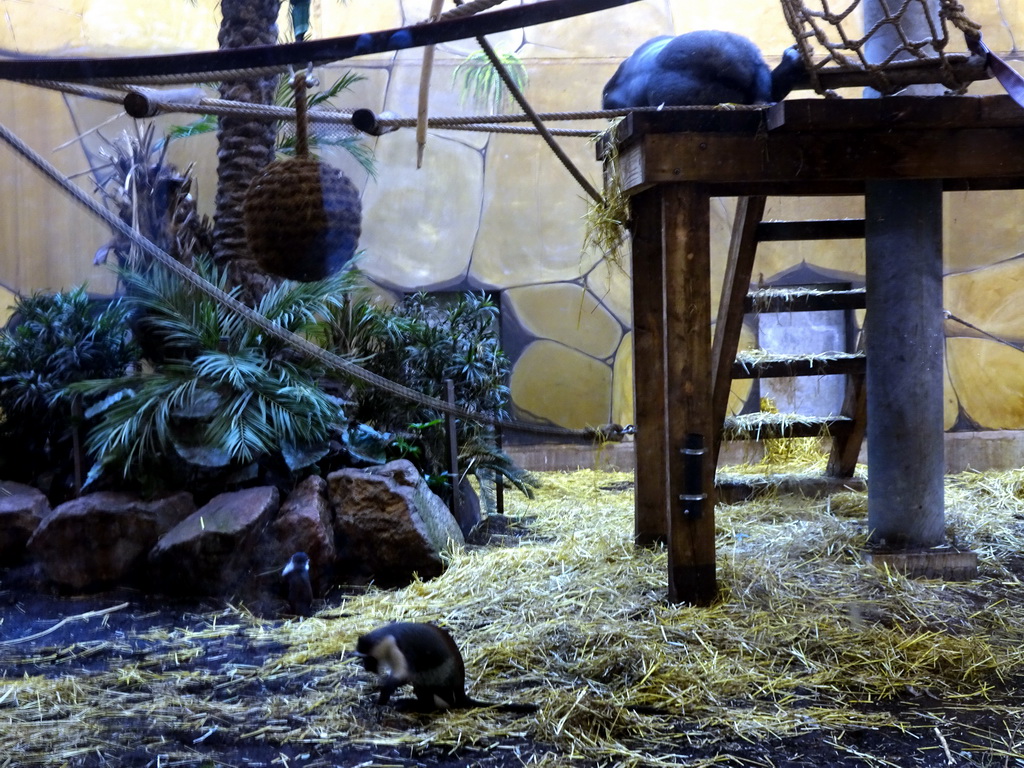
x=388 y=654
x=292 y=566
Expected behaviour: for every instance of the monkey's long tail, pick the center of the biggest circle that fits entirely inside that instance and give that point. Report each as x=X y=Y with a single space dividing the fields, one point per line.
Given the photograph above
x=513 y=707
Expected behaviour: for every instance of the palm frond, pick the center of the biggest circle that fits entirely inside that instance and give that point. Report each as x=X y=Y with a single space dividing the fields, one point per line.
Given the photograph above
x=295 y=305
x=225 y=399
x=480 y=84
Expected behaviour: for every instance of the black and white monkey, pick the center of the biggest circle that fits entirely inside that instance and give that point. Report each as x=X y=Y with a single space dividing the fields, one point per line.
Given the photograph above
x=426 y=657
x=300 y=589
x=697 y=68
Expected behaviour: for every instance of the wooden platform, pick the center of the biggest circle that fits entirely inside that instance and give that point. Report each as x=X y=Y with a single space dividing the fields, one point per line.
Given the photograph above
x=826 y=146
x=672 y=163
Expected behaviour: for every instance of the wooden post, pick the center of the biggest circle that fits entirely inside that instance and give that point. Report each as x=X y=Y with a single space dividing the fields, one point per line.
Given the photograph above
x=77 y=418
x=904 y=336
x=453 y=450
x=685 y=217
x=735 y=287
x=499 y=482
x=650 y=521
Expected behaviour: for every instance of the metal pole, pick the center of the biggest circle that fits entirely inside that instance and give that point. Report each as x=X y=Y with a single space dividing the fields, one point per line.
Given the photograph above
x=904 y=340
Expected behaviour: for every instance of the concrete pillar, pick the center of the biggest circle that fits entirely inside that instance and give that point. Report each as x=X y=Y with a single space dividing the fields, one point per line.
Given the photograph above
x=914 y=24
x=904 y=338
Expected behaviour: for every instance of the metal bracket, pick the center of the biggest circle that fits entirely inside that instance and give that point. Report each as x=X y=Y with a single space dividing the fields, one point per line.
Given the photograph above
x=693 y=497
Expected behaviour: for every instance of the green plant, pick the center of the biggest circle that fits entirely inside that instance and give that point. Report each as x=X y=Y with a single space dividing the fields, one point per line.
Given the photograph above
x=420 y=342
x=150 y=195
x=225 y=404
x=55 y=340
x=479 y=83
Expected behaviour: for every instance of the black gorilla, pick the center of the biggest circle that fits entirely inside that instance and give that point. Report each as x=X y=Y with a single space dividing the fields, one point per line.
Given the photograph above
x=704 y=67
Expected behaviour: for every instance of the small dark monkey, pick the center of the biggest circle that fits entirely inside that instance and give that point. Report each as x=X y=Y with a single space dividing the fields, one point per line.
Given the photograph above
x=427 y=658
x=300 y=590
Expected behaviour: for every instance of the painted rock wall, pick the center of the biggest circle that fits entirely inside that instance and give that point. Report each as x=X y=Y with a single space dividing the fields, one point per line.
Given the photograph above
x=496 y=211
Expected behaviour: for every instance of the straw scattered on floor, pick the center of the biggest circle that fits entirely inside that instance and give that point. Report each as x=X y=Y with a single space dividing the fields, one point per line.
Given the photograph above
x=806 y=638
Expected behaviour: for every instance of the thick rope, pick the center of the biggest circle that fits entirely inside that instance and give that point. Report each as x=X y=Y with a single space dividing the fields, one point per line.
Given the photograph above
x=250 y=62
x=300 y=85
x=570 y=133
x=953 y=318
x=470 y=8
x=219 y=107
x=542 y=129
x=957 y=16
x=329 y=359
x=480 y=123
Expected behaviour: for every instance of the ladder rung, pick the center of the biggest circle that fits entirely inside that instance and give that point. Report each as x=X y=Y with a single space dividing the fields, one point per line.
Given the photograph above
x=763 y=427
x=779 y=366
x=797 y=300
x=825 y=229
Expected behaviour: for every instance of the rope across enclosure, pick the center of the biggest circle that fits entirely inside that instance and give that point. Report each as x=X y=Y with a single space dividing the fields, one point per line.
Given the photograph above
x=154 y=101
x=302 y=345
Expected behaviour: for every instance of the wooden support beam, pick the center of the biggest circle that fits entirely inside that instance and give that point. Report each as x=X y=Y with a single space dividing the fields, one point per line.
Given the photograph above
x=785 y=367
x=731 y=308
x=842 y=155
x=962 y=69
x=846 y=443
x=685 y=216
x=827 y=229
x=806 y=426
x=650 y=521
x=805 y=301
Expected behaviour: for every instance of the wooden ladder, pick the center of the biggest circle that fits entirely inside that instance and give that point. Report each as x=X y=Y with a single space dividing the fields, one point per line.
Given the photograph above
x=847 y=429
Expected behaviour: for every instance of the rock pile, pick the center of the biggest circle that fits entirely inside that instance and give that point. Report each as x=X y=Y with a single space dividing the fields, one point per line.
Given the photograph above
x=382 y=524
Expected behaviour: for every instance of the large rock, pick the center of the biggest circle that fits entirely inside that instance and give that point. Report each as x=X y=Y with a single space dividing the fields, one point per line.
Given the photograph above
x=394 y=523
x=22 y=508
x=103 y=538
x=211 y=551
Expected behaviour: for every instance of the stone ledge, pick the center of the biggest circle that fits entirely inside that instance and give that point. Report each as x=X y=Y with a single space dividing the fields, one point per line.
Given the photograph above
x=981 y=451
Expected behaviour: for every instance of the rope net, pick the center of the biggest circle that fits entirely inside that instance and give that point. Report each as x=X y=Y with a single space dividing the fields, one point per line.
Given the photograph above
x=890 y=43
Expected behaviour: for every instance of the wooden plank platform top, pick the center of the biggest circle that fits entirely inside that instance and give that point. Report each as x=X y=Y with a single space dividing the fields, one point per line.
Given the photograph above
x=896 y=112
x=774 y=300
x=901 y=112
x=827 y=146
x=782 y=427
x=763 y=366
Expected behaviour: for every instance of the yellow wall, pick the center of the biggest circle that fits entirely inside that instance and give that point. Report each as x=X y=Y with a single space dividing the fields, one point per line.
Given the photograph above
x=494 y=211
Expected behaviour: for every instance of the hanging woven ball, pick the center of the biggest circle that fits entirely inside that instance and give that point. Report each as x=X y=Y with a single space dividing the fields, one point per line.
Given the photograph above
x=302 y=216
x=302 y=219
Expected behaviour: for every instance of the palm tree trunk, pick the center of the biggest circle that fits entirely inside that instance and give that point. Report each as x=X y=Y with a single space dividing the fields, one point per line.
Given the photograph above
x=245 y=146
